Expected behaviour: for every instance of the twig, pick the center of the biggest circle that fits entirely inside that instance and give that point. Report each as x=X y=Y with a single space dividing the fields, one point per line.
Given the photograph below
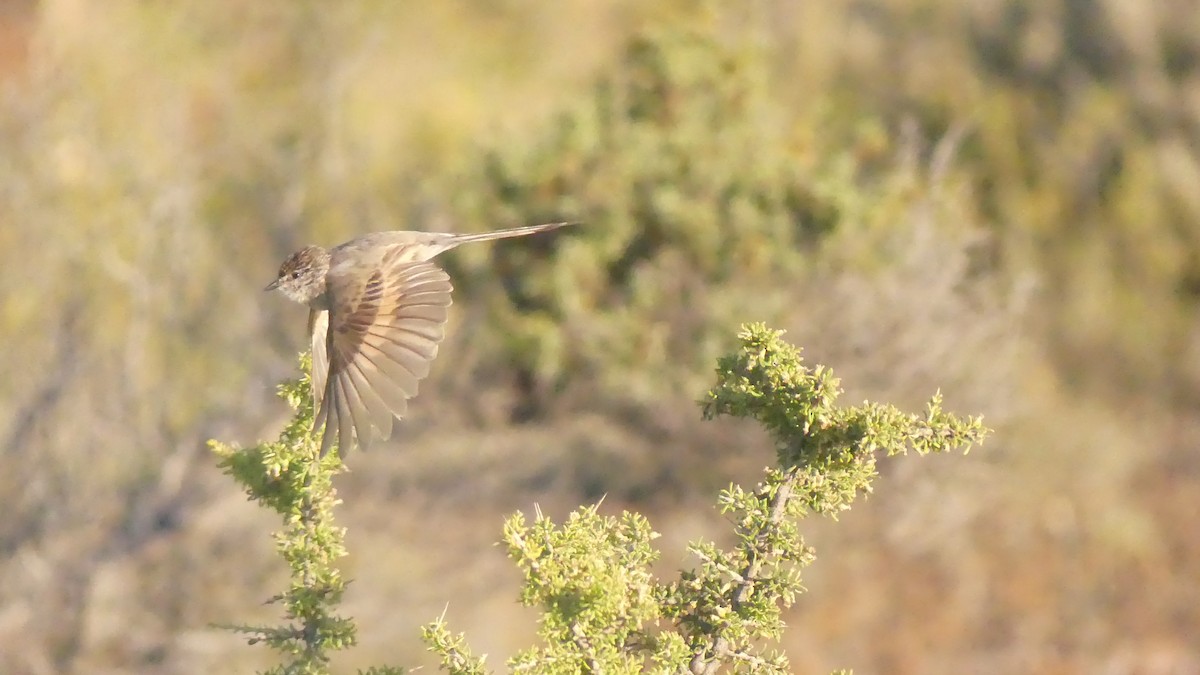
x=704 y=662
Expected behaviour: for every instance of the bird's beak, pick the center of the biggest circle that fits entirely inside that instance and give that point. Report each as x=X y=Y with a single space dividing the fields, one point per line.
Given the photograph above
x=272 y=286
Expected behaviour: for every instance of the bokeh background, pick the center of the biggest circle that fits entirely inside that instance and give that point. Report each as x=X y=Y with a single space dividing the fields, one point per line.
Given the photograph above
x=997 y=198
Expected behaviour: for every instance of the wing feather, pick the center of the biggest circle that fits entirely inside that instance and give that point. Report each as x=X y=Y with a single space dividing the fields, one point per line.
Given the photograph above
x=422 y=312
x=411 y=350
x=356 y=405
x=318 y=328
x=384 y=328
x=390 y=395
x=388 y=368
x=327 y=415
x=344 y=418
x=377 y=411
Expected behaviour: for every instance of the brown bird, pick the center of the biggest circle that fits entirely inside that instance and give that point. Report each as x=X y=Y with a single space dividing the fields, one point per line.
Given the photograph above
x=377 y=311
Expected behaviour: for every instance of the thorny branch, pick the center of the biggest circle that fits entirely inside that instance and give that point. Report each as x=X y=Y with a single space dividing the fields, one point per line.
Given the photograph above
x=704 y=663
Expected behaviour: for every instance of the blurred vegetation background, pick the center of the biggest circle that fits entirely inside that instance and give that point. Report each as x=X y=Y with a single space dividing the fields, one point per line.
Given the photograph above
x=998 y=198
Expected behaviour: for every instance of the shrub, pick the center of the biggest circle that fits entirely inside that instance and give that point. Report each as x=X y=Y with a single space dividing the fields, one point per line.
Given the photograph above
x=603 y=610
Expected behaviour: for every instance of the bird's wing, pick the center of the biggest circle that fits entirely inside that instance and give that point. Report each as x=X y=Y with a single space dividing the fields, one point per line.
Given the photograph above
x=385 y=323
x=318 y=328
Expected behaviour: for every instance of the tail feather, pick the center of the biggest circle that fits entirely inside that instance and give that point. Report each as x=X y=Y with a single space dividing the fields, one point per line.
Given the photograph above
x=505 y=234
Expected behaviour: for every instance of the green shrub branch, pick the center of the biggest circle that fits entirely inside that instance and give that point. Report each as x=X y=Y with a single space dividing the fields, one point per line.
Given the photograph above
x=289 y=477
x=602 y=608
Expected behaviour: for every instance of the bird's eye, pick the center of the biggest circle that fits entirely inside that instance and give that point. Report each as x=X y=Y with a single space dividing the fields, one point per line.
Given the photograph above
x=296 y=274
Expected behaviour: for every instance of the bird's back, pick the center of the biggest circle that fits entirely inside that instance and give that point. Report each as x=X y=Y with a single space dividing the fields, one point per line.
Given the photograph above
x=401 y=246
x=397 y=246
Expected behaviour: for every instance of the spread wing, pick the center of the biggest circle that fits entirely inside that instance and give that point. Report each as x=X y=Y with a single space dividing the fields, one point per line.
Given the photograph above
x=384 y=328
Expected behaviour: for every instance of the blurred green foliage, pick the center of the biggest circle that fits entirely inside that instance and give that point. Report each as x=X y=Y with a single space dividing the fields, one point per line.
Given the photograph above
x=700 y=207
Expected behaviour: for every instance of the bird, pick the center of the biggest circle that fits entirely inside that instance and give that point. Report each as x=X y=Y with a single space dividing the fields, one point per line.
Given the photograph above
x=377 y=313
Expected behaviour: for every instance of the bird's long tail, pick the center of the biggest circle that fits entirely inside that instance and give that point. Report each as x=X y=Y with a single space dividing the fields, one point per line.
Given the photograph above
x=504 y=234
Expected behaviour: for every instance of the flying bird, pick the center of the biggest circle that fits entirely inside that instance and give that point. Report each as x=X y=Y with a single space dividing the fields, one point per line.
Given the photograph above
x=377 y=312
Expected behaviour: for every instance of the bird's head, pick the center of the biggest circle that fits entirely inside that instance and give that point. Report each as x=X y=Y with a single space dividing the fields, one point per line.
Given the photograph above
x=302 y=275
